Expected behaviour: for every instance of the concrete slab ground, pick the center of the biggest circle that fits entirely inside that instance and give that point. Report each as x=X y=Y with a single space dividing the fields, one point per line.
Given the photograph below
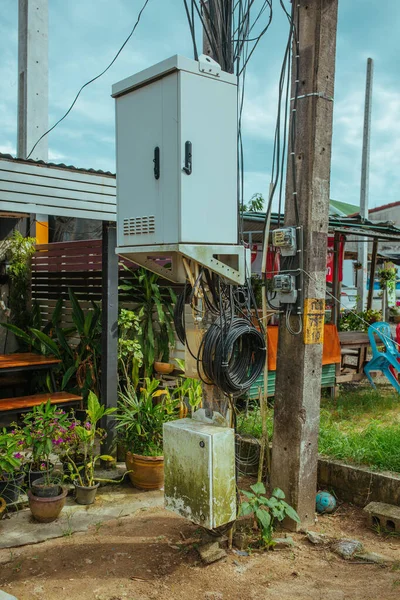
x=19 y=528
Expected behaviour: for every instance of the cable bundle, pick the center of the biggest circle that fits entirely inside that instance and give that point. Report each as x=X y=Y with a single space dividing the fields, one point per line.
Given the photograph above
x=232 y=355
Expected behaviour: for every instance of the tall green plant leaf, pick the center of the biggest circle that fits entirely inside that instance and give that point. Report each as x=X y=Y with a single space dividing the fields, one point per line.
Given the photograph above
x=67 y=376
x=18 y=332
x=77 y=313
x=47 y=342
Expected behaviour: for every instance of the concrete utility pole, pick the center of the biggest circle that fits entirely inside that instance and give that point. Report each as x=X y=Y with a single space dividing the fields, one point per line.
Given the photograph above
x=362 y=247
x=33 y=89
x=298 y=371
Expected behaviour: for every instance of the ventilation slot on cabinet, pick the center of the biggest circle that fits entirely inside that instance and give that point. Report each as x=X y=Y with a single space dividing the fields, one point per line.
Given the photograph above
x=139 y=225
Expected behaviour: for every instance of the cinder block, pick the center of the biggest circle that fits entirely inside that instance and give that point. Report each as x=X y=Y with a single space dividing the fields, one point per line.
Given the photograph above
x=385 y=516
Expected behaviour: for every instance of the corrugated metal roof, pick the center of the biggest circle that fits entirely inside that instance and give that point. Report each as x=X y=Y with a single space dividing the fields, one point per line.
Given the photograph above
x=349 y=225
x=56 y=165
x=384 y=207
x=342 y=208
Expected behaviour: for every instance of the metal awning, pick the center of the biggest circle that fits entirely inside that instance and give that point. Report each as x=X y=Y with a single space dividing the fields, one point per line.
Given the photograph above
x=28 y=186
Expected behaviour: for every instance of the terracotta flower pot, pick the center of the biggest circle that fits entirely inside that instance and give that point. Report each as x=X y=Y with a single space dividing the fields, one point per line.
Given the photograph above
x=3 y=507
x=163 y=368
x=46 y=510
x=146 y=472
x=85 y=494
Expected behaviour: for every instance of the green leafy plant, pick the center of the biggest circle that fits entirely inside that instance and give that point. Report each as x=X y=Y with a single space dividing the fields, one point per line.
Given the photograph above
x=87 y=435
x=255 y=204
x=20 y=252
x=77 y=347
x=130 y=356
x=387 y=276
x=141 y=416
x=267 y=511
x=188 y=388
x=351 y=321
x=10 y=453
x=44 y=430
x=154 y=308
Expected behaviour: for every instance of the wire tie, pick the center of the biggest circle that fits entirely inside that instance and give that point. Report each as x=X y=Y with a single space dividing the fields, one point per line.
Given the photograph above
x=318 y=94
x=294 y=193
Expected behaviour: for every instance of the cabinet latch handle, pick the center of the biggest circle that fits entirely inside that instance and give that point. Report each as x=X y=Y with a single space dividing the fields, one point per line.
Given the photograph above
x=188 y=158
x=156 y=161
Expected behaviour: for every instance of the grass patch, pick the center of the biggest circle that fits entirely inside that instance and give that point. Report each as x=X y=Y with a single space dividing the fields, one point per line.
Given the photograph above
x=362 y=427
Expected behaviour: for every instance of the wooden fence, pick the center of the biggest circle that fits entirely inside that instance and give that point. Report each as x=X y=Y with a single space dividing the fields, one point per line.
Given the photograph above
x=61 y=266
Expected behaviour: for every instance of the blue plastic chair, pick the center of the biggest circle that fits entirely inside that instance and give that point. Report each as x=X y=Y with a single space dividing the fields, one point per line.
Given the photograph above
x=382 y=361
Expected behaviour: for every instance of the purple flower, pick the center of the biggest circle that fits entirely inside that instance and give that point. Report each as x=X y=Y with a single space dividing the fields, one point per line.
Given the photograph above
x=13 y=431
x=58 y=441
x=72 y=426
x=18 y=455
x=87 y=425
x=21 y=443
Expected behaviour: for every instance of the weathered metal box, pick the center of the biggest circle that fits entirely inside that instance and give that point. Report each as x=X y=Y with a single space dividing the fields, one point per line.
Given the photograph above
x=199 y=464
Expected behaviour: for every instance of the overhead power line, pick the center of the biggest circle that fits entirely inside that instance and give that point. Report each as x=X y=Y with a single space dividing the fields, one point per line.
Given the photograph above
x=92 y=80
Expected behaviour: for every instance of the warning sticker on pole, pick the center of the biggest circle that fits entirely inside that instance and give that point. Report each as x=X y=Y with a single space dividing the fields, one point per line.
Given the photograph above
x=314 y=317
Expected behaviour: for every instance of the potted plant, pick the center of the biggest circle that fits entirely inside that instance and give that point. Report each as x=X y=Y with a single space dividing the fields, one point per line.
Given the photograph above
x=162 y=364
x=154 y=308
x=395 y=312
x=83 y=475
x=188 y=390
x=11 y=472
x=140 y=420
x=43 y=430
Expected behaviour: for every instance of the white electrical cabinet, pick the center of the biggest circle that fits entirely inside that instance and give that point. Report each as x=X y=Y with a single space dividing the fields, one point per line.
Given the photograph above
x=176 y=126
x=199 y=469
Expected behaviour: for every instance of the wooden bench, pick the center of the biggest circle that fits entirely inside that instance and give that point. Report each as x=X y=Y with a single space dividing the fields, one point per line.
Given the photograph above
x=24 y=403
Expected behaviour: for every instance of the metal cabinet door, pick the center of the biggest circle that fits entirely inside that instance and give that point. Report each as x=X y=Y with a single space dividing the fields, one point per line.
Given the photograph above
x=208 y=112
x=139 y=132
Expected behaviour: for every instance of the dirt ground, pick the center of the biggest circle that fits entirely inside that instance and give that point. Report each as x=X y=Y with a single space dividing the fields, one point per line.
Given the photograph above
x=141 y=558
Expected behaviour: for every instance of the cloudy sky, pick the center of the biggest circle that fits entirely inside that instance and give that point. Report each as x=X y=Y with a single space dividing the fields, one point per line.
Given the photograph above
x=84 y=35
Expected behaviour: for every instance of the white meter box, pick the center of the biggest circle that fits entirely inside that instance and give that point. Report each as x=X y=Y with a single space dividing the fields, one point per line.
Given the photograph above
x=199 y=466
x=176 y=125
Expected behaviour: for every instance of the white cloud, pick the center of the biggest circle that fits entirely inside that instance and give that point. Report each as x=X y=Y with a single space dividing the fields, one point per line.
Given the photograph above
x=385 y=146
x=259 y=111
x=7 y=148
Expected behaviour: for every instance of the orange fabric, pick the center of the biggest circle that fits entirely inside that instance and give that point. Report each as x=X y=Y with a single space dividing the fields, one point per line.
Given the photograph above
x=330 y=350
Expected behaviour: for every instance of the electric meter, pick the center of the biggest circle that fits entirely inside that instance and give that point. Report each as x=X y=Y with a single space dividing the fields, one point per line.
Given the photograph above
x=285 y=288
x=285 y=239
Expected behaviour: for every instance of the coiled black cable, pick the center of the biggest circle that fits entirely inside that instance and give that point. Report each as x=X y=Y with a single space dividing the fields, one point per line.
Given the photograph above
x=233 y=355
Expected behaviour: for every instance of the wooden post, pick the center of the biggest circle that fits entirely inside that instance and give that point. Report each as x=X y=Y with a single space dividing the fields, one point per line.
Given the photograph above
x=372 y=270
x=299 y=364
x=335 y=282
x=213 y=12
x=217 y=17
x=109 y=334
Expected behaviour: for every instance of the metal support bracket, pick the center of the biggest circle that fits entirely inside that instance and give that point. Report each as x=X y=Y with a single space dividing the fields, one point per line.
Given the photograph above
x=209 y=66
x=231 y=262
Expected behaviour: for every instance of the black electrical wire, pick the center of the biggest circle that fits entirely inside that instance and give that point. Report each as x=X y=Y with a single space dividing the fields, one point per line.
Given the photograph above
x=190 y=18
x=233 y=355
x=92 y=80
